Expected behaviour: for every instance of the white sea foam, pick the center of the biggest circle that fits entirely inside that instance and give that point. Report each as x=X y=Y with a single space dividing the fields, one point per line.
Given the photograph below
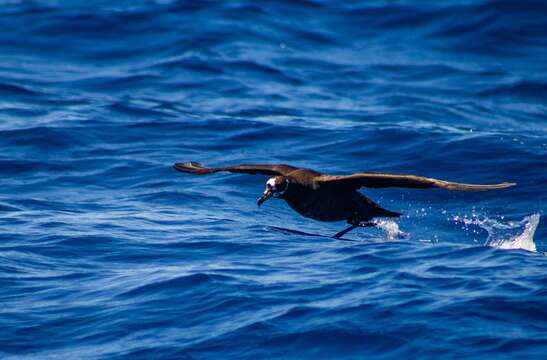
x=506 y=235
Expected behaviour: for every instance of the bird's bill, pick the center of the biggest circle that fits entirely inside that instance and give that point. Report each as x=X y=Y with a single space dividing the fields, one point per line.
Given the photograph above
x=267 y=194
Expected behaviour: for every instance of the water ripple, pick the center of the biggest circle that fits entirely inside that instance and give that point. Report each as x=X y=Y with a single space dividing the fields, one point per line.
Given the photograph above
x=107 y=252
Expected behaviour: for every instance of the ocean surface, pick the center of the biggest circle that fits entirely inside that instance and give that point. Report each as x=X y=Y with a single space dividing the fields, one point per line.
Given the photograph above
x=106 y=252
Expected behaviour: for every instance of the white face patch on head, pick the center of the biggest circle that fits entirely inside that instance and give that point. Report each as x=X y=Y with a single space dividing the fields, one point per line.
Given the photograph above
x=271 y=185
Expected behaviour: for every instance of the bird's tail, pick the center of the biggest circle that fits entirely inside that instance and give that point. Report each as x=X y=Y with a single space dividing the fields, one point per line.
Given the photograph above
x=376 y=210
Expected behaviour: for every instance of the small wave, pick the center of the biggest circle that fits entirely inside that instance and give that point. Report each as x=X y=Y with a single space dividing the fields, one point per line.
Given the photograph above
x=527 y=89
x=173 y=284
x=7 y=89
x=508 y=235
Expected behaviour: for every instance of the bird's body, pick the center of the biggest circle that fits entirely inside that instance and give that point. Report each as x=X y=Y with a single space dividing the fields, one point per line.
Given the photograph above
x=329 y=204
x=332 y=197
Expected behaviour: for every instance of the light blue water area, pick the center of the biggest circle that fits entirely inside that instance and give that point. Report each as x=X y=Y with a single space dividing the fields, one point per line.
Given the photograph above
x=107 y=252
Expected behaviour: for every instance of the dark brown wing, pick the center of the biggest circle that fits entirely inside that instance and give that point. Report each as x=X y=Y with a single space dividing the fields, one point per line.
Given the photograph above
x=196 y=168
x=379 y=180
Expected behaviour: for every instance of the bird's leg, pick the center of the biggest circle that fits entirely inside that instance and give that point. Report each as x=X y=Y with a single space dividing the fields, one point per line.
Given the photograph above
x=345 y=231
x=353 y=226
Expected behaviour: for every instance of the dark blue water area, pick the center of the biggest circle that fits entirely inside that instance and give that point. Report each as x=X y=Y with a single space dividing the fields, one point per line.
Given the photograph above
x=106 y=252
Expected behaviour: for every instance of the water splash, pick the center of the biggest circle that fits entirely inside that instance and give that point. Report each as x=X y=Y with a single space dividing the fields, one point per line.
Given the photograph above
x=391 y=228
x=508 y=235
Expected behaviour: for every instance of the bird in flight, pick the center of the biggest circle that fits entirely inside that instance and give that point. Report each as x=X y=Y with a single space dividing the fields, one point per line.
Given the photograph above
x=332 y=197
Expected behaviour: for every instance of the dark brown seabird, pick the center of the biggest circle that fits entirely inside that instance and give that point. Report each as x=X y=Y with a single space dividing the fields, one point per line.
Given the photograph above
x=332 y=197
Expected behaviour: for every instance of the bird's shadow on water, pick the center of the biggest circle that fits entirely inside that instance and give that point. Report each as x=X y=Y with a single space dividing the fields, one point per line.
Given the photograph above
x=303 y=233
x=388 y=230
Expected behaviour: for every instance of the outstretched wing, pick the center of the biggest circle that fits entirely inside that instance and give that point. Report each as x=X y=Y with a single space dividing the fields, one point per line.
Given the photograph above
x=196 y=168
x=380 y=180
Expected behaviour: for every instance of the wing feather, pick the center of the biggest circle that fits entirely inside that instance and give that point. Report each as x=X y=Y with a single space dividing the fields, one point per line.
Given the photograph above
x=381 y=180
x=264 y=169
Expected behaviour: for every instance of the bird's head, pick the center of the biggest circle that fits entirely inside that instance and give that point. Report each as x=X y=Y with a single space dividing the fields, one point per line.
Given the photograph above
x=276 y=187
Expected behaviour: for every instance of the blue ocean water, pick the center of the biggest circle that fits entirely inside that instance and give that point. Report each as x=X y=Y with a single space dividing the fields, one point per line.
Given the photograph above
x=106 y=252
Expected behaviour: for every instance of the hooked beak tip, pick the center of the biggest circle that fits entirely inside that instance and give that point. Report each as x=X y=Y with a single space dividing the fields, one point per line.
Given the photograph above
x=263 y=198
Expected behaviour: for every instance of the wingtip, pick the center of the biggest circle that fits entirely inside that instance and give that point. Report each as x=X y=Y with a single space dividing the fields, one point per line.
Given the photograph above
x=187 y=166
x=192 y=167
x=179 y=166
x=503 y=185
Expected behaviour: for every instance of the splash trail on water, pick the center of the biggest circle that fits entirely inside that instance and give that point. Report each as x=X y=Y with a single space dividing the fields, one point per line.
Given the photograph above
x=506 y=235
